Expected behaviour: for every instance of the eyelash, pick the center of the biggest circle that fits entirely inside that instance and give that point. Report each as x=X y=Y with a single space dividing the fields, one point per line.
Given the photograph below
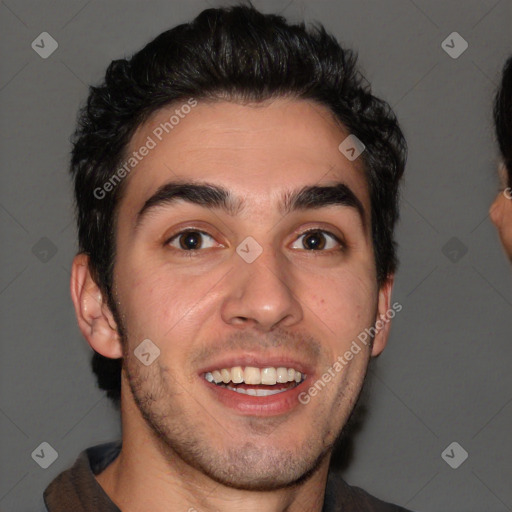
x=195 y=252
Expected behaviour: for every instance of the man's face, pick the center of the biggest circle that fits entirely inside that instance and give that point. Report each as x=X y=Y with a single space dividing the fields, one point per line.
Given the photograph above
x=501 y=212
x=298 y=305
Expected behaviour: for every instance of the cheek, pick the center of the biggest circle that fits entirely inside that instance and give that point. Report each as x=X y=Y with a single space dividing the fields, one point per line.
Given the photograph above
x=175 y=309
x=346 y=305
x=495 y=211
x=506 y=226
x=156 y=302
x=506 y=213
x=501 y=215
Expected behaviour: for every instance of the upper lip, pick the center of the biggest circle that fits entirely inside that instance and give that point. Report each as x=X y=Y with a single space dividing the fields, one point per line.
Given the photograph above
x=258 y=361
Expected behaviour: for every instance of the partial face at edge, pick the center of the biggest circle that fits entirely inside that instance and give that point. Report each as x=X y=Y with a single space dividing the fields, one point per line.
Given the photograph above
x=299 y=304
x=501 y=212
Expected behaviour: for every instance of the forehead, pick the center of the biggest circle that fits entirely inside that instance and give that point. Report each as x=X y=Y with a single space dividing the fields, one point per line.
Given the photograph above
x=256 y=151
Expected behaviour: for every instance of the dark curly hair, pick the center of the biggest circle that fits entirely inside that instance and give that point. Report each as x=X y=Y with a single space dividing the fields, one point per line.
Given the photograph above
x=229 y=54
x=503 y=117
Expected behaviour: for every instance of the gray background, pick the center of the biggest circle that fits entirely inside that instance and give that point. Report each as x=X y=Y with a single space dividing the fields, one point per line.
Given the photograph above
x=445 y=375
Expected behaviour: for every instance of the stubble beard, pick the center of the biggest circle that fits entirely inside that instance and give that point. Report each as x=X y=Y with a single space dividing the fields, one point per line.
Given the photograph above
x=251 y=465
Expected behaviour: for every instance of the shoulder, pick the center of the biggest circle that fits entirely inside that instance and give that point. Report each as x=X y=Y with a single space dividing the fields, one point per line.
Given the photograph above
x=372 y=503
x=341 y=496
x=76 y=488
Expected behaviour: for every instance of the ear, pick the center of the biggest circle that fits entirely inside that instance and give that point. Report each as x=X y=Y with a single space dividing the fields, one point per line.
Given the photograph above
x=383 y=320
x=95 y=319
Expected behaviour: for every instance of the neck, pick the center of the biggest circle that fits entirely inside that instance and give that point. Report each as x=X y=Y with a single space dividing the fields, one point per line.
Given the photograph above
x=150 y=475
x=147 y=476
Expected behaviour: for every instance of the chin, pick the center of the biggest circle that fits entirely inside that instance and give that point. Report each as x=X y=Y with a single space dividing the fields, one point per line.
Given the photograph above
x=270 y=472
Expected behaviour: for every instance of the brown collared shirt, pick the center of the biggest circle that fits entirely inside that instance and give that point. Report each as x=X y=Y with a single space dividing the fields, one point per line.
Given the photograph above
x=76 y=489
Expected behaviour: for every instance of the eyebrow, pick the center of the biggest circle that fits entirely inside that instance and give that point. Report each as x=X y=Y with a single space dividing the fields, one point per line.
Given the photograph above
x=211 y=196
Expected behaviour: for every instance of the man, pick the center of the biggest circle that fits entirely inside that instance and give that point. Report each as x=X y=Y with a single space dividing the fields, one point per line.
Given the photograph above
x=236 y=187
x=501 y=209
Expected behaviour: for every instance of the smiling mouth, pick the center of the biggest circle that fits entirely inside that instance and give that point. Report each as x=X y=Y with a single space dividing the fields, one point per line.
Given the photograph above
x=255 y=381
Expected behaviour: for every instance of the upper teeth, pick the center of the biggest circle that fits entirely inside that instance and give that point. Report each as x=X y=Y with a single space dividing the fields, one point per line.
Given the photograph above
x=252 y=375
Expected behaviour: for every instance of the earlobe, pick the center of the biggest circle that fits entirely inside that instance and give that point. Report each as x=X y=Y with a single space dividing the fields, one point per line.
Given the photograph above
x=95 y=319
x=383 y=320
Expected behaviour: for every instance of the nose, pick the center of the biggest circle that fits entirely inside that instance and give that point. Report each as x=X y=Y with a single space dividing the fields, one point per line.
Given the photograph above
x=260 y=294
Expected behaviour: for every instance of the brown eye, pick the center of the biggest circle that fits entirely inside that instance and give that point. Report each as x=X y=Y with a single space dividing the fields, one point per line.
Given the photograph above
x=314 y=241
x=319 y=240
x=189 y=240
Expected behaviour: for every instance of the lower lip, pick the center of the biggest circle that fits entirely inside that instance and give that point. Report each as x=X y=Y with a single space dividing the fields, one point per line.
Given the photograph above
x=272 y=405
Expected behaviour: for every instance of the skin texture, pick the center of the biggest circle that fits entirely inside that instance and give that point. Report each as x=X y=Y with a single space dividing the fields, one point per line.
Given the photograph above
x=182 y=448
x=501 y=213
